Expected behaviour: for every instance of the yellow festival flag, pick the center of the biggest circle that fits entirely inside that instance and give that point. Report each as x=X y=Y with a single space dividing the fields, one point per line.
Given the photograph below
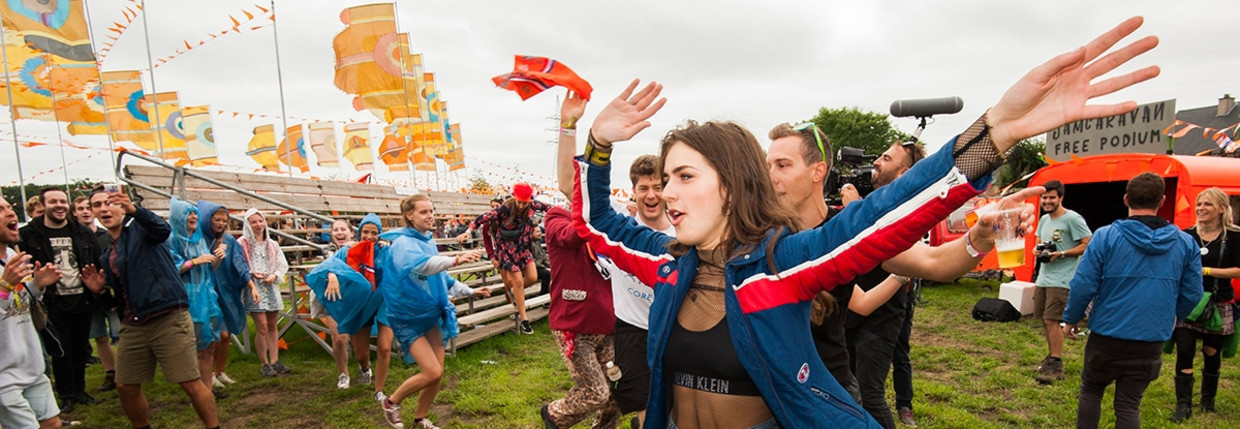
x=456 y=156
x=292 y=150
x=166 y=110
x=394 y=151
x=55 y=27
x=124 y=111
x=38 y=80
x=322 y=136
x=262 y=147
x=357 y=146
x=369 y=60
x=199 y=135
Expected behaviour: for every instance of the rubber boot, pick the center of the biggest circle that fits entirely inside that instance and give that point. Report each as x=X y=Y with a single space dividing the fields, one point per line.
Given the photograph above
x=1209 y=386
x=1183 y=397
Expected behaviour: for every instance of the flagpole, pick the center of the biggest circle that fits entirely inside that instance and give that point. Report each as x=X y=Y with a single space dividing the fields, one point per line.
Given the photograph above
x=155 y=122
x=106 y=125
x=60 y=138
x=8 y=86
x=275 y=37
x=413 y=175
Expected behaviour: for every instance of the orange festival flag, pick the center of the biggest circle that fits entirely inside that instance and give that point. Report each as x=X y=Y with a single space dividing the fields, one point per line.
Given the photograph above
x=124 y=111
x=292 y=150
x=394 y=152
x=368 y=57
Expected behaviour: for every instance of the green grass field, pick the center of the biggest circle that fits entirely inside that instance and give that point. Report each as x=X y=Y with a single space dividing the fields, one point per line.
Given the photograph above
x=967 y=375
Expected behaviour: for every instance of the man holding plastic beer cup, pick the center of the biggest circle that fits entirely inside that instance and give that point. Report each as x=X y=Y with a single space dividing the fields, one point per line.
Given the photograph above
x=1062 y=236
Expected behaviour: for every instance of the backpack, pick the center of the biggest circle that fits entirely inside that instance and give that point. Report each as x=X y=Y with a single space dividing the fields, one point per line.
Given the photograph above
x=992 y=309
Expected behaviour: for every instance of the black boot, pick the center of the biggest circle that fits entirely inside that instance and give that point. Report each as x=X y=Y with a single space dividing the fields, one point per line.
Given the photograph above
x=1183 y=397
x=1209 y=386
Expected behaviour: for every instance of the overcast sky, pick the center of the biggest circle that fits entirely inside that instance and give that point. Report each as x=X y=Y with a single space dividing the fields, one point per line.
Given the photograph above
x=757 y=63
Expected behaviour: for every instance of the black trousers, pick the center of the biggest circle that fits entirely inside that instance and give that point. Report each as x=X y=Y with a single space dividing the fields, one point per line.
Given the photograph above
x=69 y=363
x=902 y=367
x=871 y=350
x=1131 y=365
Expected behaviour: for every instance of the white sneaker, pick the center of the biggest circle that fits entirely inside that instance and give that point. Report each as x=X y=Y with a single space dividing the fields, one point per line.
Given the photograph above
x=225 y=378
x=379 y=396
x=215 y=382
x=365 y=377
x=425 y=423
x=342 y=382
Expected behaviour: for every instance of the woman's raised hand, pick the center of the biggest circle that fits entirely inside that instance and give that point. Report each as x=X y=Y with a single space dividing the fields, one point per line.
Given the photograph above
x=627 y=114
x=1055 y=92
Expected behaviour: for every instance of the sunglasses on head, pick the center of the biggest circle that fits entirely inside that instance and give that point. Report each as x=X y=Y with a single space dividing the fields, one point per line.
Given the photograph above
x=813 y=129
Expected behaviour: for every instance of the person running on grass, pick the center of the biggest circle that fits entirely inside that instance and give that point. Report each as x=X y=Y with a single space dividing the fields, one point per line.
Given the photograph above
x=514 y=232
x=422 y=317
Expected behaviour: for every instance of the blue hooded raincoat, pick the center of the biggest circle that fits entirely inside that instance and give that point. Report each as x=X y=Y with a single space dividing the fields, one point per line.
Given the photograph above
x=416 y=301
x=199 y=281
x=232 y=274
x=359 y=300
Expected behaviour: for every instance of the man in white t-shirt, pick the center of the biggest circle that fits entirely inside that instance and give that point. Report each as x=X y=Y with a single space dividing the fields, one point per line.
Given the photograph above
x=631 y=297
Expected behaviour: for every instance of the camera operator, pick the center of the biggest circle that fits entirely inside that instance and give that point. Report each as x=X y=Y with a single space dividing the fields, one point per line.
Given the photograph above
x=1067 y=231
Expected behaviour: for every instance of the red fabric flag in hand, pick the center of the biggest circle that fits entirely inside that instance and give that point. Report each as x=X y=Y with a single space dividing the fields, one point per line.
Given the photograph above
x=532 y=75
x=361 y=257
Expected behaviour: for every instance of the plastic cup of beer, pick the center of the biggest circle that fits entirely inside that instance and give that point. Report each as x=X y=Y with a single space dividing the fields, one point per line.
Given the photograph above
x=1009 y=237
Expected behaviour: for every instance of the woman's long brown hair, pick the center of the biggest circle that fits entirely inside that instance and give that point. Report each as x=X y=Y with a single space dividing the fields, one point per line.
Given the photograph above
x=751 y=207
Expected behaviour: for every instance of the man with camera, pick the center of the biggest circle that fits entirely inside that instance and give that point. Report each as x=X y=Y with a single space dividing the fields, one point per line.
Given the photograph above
x=798 y=162
x=1063 y=235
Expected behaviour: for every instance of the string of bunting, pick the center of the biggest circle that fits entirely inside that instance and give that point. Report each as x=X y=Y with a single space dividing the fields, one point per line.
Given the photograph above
x=266 y=117
x=59 y=167
x=114 y=32
x=1222 y=137
x=238 y=27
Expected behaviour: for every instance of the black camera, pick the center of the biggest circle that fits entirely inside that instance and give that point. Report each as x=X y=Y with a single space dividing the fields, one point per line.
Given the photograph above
x=853 y=166
x=1046 y=247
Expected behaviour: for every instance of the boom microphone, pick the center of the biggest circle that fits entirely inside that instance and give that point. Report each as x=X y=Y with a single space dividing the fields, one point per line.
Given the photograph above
x=926 y=107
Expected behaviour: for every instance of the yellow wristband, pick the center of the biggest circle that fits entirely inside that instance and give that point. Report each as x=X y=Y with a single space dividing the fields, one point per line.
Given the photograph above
x=1206 y=271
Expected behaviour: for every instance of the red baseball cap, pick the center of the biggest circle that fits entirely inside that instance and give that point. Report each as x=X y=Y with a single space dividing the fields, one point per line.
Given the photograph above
x=522 y=192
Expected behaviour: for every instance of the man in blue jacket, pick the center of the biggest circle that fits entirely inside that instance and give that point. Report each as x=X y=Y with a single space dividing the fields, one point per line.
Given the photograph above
x=153 y=305
x=1142 y=273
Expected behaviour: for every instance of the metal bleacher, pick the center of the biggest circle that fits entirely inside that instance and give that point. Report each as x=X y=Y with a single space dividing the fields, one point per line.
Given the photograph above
x=305 y=206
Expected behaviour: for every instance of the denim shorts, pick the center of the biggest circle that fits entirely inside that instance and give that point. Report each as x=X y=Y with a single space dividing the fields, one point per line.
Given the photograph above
x=105 y=323
x=25 y=408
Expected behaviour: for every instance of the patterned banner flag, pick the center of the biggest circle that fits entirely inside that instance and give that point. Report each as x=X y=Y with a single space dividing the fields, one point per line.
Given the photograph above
x=322 y=137
x=124 y=111
x=357 y=147
x=166 y=109
x=199 y=135
x=456 y=156
x=262 y=147
x=55 y=27
x=368 y=57
x=292 y=150
x=394 y=151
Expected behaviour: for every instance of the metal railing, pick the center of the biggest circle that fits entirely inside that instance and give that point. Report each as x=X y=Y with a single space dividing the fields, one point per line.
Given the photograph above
x=178 y=186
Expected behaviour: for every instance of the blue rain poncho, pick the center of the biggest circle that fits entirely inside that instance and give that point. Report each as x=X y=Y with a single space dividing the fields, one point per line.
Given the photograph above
x=416 y=301
x=360 y=302
x=199 y=281
x=232 y=275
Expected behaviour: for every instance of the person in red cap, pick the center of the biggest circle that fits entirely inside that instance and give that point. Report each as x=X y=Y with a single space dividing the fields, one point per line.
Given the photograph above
x=515 y=231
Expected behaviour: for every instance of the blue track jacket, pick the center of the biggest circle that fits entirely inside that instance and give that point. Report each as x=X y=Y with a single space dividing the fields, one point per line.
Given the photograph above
x=769 y=314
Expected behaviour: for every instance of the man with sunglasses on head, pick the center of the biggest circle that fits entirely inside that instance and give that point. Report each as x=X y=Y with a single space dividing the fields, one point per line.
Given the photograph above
x=798 y=161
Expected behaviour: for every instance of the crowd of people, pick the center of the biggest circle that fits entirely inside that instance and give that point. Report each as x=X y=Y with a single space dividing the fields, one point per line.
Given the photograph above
x=727 y=294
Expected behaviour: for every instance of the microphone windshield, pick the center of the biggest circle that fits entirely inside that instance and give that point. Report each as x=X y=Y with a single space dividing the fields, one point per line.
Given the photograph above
x=926 y=107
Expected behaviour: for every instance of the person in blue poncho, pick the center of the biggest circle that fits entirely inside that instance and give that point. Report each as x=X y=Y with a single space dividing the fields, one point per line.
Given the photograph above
x=232 y=279
x=345 y=285
x=420 y=313
x=196 y=264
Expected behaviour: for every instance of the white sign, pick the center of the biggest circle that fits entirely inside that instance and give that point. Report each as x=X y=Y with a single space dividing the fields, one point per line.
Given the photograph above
x=1138 y=131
